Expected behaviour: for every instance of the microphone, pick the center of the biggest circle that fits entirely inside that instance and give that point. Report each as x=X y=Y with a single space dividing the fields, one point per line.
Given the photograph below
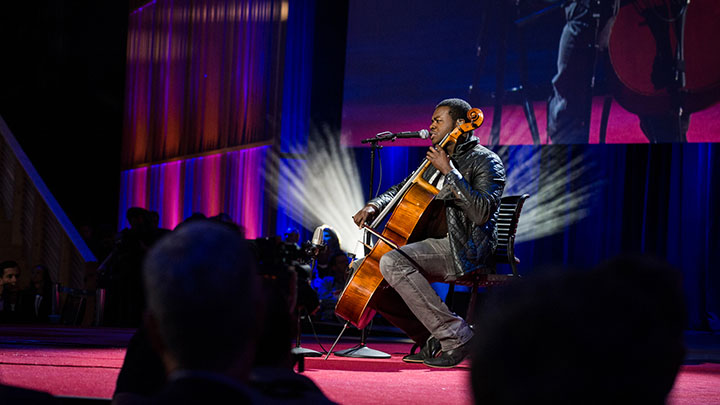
x=318 y=238
x=389 y=136
x=422 y=134
x=317 y=244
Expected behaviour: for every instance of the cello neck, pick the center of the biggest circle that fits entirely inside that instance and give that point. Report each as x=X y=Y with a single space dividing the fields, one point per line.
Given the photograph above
x=475 y=117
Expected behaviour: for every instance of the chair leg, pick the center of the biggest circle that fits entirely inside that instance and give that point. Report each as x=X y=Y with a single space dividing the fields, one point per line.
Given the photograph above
x=471 y=306
x=450 y=297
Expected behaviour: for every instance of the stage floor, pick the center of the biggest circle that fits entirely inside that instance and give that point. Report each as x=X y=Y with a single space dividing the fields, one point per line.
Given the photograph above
x=85 y=362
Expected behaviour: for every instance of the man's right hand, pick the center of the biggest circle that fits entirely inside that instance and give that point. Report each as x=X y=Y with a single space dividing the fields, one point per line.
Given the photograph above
x=364 y=215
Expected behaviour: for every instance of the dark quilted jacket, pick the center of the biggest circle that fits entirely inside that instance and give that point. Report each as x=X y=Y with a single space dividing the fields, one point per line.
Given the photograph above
x=471 y=203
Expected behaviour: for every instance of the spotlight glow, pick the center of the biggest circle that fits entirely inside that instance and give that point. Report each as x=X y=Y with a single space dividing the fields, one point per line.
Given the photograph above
x=562 y=187
x=322 y=188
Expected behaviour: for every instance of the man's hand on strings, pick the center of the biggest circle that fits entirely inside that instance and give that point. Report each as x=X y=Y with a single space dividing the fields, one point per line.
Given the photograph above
x=439 y=158
x=364 y=215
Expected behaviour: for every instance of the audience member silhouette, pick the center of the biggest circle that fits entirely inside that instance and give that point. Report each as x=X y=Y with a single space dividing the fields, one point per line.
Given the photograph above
x=292 y=235
x=142 y=373
x=331 y=286
x=11 y=395
x=9 y=273
x=121 y=273
x=329 y=248
x=210 y=318
x=35 y=301
x=285 y=291
x=201 y=285
x=610 y=335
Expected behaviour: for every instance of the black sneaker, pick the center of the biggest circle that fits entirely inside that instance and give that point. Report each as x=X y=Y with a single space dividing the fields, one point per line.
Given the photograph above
x=450 y=358
x=429 y=350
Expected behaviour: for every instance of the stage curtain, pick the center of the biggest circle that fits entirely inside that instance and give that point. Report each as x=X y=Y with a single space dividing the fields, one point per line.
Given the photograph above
x=202 y=76
x=230 y=183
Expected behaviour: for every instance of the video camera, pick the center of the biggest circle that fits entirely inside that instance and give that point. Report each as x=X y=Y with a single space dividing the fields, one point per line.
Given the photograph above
x=280 y=262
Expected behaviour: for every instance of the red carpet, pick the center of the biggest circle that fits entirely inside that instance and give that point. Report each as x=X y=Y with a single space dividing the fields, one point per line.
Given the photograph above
x=91 y=372
x=388 y=381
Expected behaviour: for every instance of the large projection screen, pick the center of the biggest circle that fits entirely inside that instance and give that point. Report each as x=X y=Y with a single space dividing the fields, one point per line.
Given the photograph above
x=404 y=56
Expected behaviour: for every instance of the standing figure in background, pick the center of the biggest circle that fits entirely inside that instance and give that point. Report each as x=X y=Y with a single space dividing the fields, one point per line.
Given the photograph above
x=122 y=276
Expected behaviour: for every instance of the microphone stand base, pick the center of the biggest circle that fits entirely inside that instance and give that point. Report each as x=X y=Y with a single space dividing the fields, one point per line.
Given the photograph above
x=362 y=351
x=301 y=351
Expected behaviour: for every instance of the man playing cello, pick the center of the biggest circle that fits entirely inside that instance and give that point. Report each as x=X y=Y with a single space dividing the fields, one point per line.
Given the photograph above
x=471 y=179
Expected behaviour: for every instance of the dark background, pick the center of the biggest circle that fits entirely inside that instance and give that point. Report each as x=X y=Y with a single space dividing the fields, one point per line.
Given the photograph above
x=61 y=93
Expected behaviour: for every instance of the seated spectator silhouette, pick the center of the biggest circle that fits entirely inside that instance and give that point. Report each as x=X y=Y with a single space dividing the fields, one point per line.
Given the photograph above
x=329 y=248
x=9 y=273
x=291 y=235
x=12 y=395
x=35 y=301
x=201 y=317
x=331 y=286
x=610 y=335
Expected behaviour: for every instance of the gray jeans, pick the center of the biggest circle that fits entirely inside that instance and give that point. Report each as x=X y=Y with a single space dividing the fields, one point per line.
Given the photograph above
x=413 y=285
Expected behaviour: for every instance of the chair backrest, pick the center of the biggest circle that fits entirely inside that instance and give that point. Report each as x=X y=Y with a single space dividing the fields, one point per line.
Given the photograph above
x=508 y=217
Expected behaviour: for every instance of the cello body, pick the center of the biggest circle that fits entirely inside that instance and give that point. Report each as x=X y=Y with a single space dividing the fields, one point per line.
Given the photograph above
x=646 y=39
x=410 y=211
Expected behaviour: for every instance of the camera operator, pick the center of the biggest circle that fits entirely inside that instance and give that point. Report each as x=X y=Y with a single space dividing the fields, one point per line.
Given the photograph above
x=269 y=325
x=285 y=274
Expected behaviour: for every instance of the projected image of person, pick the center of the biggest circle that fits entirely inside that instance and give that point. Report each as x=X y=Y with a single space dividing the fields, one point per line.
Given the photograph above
x=570 y=102
x=471 y=179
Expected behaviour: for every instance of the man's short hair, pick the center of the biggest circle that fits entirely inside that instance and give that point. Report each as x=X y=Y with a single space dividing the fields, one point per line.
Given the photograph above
x=458 y=108
x=8 y=264
x=614 y=333
x=136 y=212
x=200 y=281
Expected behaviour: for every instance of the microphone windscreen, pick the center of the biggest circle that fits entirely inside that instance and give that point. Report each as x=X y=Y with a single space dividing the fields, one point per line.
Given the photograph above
x=424 y=133
x=318 y=238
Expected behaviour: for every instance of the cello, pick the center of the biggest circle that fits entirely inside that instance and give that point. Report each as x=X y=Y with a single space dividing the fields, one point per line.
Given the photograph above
x=409 y=212
x=664 y=55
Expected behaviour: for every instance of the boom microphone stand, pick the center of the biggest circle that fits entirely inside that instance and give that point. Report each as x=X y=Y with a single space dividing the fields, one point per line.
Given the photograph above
x=317 y=243
x=361 y=350
x=299 y=350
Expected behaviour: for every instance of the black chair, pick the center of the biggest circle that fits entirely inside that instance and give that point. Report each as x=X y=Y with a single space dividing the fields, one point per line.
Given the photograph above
x=508 y=217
